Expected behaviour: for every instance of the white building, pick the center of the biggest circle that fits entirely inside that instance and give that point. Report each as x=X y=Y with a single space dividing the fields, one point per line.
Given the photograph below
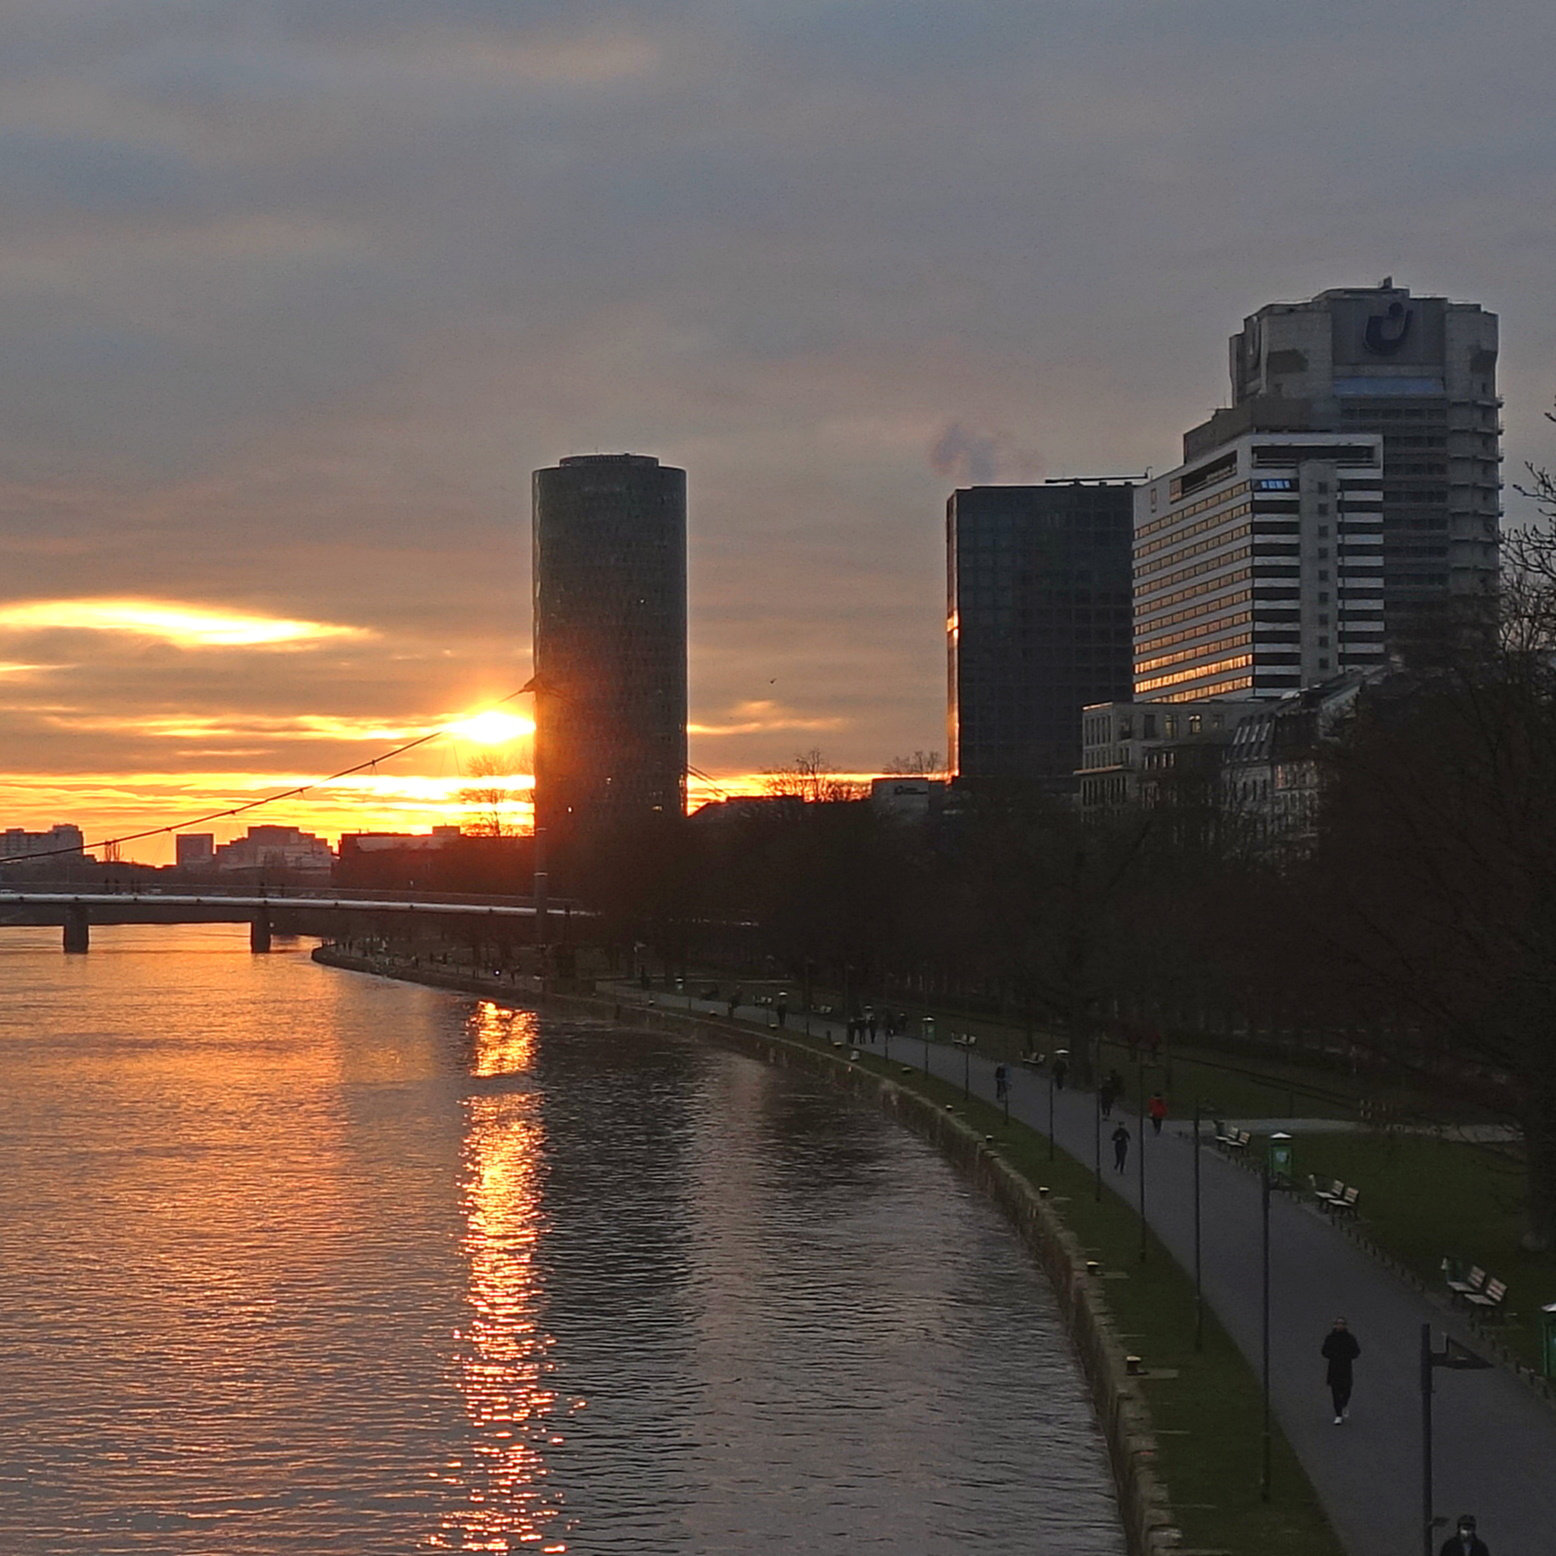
x=275 y=848
x=1420 y=371
x=1258 y=567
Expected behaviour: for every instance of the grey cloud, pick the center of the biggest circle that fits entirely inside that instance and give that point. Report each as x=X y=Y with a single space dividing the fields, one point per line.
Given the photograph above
x=292 y=296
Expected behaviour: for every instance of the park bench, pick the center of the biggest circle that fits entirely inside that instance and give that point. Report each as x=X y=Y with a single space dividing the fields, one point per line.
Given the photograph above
x=1474 y=1282
x=1325 y=1189
x=1234 y=1141
x=1489 y=1302
x=1338 y=1199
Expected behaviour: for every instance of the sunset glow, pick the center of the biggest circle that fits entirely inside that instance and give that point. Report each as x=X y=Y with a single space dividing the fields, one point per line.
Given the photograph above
x=492 y=728
x=185 y=626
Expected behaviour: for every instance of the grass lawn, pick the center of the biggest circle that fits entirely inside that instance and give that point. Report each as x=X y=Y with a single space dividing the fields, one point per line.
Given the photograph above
x=1208 y=1418
x=1424 y=1198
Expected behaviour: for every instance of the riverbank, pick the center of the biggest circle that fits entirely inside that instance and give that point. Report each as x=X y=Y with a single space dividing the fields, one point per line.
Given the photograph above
x=1204 y=1429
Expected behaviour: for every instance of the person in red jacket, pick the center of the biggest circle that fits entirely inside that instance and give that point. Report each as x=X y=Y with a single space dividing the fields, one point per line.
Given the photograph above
x=1157 y=1109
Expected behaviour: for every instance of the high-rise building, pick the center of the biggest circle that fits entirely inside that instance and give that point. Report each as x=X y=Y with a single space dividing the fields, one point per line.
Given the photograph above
x=1421 y=372
x=1037 y=625
x=610 y=644
x=1258 y=567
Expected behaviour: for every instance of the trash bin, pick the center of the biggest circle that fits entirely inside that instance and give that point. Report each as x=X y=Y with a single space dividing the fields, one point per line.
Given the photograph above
x=1279 y=1157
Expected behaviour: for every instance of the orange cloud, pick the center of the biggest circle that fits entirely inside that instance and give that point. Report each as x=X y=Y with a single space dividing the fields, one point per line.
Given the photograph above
x=185 y=626
x=753 y=718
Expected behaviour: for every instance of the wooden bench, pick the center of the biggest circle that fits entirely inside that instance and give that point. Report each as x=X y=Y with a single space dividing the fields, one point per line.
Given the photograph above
x=1325 y=1190
x=1339 y=1199
x=1488 y=1303
x=1238 y=1140
x=1475 y=1281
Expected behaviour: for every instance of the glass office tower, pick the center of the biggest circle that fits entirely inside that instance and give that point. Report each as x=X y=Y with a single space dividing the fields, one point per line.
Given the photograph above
x=1038 y=624
x=610 y=644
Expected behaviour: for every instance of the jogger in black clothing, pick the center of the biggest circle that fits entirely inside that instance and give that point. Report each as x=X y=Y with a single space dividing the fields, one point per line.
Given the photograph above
x=1340 y=1350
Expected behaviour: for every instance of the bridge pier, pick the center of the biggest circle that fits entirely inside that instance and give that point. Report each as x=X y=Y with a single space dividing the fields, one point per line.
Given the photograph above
x=78 y=932
x=259 y=931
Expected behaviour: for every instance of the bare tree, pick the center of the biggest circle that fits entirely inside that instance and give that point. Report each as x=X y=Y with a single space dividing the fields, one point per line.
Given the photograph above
x=922 y=764
x=491 y=804
x=812 y=778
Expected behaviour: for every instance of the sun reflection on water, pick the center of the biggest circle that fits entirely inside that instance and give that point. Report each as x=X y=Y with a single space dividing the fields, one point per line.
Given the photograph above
x=503 y=1361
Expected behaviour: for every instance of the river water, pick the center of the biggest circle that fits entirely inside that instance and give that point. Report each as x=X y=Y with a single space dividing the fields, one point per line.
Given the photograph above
x=296 y=1261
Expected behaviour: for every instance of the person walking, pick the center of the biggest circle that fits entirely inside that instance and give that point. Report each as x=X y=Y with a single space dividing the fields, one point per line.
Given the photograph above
x=1001 y=1083
x=872 y=1023
x=1061 y=1069
x=781 y=1008
x=1157 y=1108
x=1464 y=1541
x=1120 y=1146
x=1105 y=1096
x=1340 y=1350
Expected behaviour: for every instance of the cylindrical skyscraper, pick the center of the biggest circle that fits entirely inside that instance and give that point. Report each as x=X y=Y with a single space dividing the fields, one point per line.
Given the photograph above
x=610 y=644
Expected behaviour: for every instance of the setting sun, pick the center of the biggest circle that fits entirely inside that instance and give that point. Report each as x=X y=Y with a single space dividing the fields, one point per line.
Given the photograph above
x=492 y=728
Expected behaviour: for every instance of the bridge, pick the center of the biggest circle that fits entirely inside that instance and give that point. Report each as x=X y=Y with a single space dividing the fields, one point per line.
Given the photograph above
x=76 y=910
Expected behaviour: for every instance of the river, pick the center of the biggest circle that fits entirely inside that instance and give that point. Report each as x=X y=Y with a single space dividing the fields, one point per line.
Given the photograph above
x=296 y=1260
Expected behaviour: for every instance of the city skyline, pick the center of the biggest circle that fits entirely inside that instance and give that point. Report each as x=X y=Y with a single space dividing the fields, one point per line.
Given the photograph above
x=297 y=301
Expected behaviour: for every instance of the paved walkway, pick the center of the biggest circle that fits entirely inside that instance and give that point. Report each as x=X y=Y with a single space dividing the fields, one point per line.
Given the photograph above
x=1495 y=1443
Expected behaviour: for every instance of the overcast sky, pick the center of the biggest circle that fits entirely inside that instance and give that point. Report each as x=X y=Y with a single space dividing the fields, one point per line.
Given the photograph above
x=294 y=294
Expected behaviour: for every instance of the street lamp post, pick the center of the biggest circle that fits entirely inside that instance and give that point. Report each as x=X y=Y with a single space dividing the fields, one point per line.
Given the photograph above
x=1264 y=1312
x=927 y=1028
x=1059 y=1053
x=1096 y=1143
x=1452 y=1355
x=1199 y=1282
x=1140 y=1167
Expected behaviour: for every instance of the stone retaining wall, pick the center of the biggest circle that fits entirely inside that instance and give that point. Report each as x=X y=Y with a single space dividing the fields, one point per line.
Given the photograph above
x=1119 y=1401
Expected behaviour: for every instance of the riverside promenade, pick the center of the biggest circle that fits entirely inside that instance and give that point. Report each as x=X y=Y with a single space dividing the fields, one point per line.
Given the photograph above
x=1495 y=1442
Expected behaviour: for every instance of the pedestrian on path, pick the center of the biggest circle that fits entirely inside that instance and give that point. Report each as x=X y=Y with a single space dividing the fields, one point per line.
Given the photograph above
x=1340 y=1350
x=1061 y=1069
x=1157 y=1108
x=1120 y=1146
x=872 y=1022
x=1105 y=1096
x=1465 y=1542
x=781 y=1009
x=1001 y=1083
x=734 y=1002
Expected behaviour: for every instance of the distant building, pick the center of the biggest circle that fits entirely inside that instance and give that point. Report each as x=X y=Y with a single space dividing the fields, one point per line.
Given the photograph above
x=1258 y=567
x=275 y=848
x=1134 y=750
x=610 y=644
x=1271 y=773
x=442 y=860
x=907 y=797
x=1037 y=624
x=194 y=850
x=62 y=840
x=1421 y=373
